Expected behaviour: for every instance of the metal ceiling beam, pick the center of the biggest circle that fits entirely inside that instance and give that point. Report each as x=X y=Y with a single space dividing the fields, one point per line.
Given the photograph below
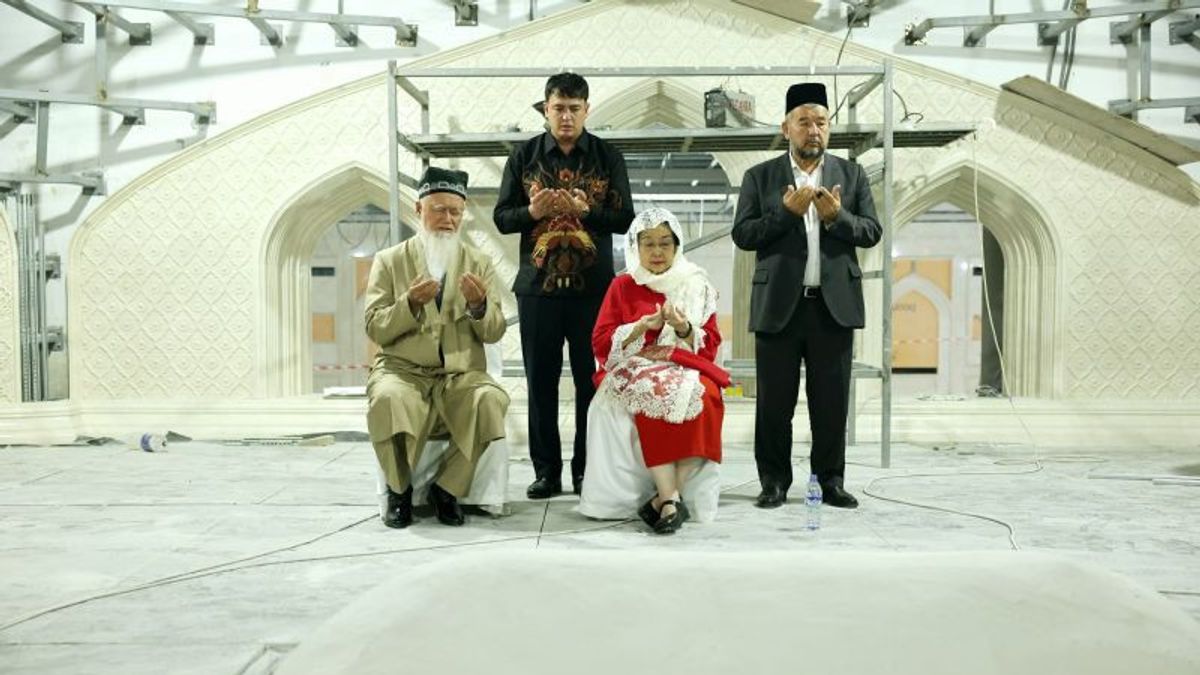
x=1048 y=32
x=21 y=112
x=345 y=25
x=203 y=112
x=203 y=33
x=1125 y=107
x=974 y=37
x=91 y=182
x=72 y=31
x=347 y=34
x=1184 y=31
x=1059 y=21
x=270 y=32
x=139 y=33
x=1121 y=32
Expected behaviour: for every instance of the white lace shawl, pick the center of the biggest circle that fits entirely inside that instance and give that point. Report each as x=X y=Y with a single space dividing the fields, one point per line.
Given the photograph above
x=646 y=385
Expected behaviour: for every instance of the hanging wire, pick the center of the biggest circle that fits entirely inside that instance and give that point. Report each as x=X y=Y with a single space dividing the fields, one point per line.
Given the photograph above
x=837 y=62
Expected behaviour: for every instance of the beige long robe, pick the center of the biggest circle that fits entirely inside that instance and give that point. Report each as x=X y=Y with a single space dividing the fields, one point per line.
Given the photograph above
x=429 y=378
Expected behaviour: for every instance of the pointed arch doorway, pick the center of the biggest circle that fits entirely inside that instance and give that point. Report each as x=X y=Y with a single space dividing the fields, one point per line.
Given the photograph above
x=285 y=345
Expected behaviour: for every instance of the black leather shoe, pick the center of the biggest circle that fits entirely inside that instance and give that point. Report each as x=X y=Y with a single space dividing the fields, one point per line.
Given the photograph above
x=544 y=488
x=771 y=497
x=399 y=513
x=577 y=484
x=445 y=506
x=836 y=496
x=648 y=513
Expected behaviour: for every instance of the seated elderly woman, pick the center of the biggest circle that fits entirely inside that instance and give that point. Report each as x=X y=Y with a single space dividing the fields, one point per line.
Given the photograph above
x=654 y=426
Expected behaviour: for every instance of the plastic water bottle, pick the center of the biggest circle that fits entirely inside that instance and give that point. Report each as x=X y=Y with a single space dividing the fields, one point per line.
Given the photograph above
x=812 y=502
x=152 y=442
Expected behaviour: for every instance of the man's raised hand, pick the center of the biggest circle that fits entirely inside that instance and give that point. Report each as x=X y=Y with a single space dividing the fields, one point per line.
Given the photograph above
x=473 y=289
x=797 y=200
x=421 y=290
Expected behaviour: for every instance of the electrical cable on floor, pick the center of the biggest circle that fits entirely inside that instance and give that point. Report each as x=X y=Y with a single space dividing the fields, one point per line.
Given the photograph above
x=281 y=549
x=1037 y=462
x=182 y=576
x=222 y=568
x=1012 y=533
x=542 y=527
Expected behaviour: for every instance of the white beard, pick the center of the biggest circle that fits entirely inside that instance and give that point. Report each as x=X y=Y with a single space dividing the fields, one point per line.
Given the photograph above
x=441 y=250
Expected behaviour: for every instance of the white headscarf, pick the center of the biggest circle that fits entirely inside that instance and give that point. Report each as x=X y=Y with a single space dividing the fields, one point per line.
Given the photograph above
x=685 y=284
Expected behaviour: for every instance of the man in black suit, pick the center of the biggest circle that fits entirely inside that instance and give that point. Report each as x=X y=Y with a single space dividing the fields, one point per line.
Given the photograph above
x=803 y=214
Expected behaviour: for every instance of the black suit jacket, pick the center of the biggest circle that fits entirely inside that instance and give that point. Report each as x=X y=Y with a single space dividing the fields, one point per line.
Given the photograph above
x=778 y=239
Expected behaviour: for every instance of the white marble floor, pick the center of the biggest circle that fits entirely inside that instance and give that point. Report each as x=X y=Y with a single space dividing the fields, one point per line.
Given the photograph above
x=218 y=559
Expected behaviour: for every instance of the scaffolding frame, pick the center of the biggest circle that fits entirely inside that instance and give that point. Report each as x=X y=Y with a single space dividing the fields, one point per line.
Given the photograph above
x=879 y=78
x=1132 y=31
x=344 y=26
x=1051 y=24
x=34 y=107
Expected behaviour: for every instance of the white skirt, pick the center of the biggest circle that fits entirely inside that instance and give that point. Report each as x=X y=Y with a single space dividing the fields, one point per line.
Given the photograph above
x=617 y=482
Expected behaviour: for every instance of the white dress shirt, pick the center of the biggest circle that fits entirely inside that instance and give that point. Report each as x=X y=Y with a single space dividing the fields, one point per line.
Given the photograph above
x=812 y=221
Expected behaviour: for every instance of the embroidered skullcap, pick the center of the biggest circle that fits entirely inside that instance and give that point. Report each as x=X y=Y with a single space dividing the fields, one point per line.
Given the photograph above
x=437 y=179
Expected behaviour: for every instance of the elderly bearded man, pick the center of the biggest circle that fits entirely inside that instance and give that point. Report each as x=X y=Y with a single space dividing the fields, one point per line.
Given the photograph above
x=427 y=307
x=803 y=214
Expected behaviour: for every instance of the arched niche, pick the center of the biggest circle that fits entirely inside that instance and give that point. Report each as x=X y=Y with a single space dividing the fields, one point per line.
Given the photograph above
x=285 y=363
x=1032 y=270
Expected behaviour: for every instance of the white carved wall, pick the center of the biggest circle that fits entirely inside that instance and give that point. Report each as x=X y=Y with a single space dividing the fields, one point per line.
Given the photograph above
x=10 y=338
x=165 y=286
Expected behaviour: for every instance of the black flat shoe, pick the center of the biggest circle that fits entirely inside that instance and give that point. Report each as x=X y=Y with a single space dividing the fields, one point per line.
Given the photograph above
x=445 y=506
x=669 y=524
x=544 y=488
x=771 y=497
x=399 y=513
x=577 y=485
x=837 y=497
x=648 y=513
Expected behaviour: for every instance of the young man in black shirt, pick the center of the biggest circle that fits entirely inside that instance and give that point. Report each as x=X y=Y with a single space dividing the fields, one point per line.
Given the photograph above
x=566 y=192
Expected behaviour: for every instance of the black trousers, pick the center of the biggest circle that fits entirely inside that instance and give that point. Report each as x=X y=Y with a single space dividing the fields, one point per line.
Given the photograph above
x=824 y=346
x=545 y=323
